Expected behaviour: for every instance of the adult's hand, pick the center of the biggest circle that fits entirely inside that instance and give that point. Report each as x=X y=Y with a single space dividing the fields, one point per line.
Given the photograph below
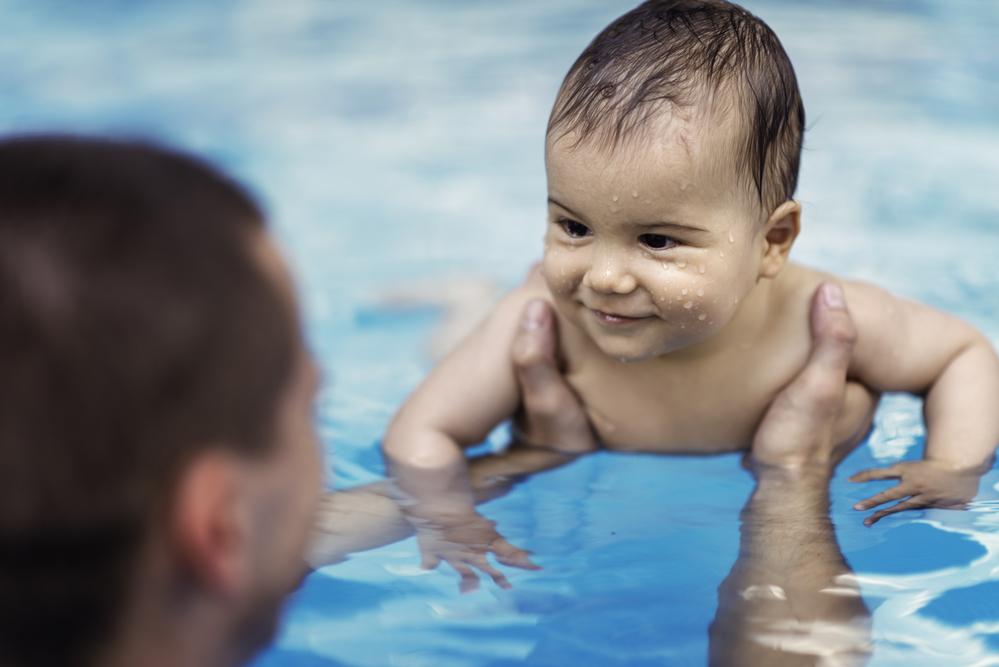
x=790 y=598
x=552 y=416
x=819 y=416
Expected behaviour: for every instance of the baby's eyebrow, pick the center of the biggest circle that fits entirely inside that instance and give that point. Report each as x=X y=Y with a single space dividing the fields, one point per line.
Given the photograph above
x=660 y=223
x=675 y=225
x=561 y=205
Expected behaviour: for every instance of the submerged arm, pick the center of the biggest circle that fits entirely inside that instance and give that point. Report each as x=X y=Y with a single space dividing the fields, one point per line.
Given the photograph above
x=368 y=517
x=789 y=599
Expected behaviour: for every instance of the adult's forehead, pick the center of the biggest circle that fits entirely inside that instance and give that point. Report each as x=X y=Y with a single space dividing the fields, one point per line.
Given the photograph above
x=266 y=252
x=268 y=255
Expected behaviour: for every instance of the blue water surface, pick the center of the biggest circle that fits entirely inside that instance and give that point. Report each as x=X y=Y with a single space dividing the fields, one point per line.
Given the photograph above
x=400 y=143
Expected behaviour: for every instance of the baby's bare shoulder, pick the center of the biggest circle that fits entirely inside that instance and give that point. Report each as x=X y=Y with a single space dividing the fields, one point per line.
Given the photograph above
x=800 y=283
x=504 y=318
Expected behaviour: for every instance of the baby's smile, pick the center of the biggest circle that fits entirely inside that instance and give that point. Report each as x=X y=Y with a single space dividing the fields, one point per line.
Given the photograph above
x=649 y=249
x=618 y=320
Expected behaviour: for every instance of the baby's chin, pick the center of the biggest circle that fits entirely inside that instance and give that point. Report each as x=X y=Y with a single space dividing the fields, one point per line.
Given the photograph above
x=634 y=350
x=630 y=351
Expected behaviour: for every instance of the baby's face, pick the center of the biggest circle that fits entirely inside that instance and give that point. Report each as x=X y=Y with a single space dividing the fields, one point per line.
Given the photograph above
x=651 y=247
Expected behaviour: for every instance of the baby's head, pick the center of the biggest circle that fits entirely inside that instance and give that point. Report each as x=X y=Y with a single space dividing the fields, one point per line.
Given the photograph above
x=672 y=157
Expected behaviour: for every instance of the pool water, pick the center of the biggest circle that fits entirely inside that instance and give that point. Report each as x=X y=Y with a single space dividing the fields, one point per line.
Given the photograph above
x=400 y=142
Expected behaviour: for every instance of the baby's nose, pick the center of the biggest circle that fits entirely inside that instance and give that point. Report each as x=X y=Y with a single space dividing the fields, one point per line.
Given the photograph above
x=610 y=275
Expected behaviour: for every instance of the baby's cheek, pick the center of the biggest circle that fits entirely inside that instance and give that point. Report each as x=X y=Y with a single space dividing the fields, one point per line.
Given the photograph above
x=560 y=270
x=686 y=296
x=714 y=309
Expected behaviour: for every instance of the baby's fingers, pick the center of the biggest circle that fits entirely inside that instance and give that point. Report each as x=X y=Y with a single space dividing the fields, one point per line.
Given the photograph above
x=510 y=555
x=894 y=493
x=912 y=503
x=469 y=580
x=498 y=577
x=429 y=561
x=891 y=472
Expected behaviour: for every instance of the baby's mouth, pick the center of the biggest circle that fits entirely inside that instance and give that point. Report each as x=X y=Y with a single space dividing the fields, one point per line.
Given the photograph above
x=616 y=319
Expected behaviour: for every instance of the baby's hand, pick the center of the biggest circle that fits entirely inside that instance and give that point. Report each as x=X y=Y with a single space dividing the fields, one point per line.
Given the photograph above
x=922 y=484
x=464 y=540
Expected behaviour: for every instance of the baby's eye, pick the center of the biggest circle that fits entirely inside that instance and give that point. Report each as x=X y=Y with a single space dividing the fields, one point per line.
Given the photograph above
x=576 y=230
x=656 y=241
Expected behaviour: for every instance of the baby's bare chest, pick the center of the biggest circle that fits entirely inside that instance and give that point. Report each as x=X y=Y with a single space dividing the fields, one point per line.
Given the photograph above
x=708 y=410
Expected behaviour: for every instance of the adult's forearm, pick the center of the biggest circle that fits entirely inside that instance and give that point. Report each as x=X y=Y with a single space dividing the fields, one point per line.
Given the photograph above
x=786 y=601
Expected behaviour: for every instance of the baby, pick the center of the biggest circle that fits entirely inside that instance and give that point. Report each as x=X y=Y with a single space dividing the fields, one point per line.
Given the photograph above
x=672 y=158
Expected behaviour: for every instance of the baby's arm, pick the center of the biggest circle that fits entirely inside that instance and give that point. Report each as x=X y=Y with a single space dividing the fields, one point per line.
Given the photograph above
x=458 y=404
x=906 y=346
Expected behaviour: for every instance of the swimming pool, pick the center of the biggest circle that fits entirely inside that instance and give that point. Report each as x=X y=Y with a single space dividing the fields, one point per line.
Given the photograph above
x=401 y=142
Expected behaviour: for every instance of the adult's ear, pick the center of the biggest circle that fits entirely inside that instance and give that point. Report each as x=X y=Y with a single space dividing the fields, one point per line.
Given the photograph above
x=779 y=233
x=210 y=522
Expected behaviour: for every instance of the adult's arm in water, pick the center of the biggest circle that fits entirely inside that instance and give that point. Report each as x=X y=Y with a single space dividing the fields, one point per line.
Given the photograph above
x=790 y=598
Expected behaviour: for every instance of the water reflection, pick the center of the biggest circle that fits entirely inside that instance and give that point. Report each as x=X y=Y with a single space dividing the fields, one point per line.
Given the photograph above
x=790 y=598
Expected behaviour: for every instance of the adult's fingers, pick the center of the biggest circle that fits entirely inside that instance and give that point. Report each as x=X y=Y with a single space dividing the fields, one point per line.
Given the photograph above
x=534 y=358
x=798 y=426
x=819 y=387
x=552 y=413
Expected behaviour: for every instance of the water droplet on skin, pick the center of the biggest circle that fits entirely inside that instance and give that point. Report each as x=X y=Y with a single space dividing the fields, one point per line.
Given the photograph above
x=688 y=305
x=700 y=292
x=702 y=317
x=701 y=268
x=684 y=291
x=731 y=238
x=634 y=194
x=722 y=254
x=681 y=264
x=614 y=198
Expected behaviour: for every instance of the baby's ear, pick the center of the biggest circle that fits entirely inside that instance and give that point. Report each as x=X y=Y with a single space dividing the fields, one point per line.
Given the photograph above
x=779 y=233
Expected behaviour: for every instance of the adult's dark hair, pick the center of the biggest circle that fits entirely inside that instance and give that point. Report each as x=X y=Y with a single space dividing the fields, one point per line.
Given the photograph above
x=137 y=328
x=679 y=53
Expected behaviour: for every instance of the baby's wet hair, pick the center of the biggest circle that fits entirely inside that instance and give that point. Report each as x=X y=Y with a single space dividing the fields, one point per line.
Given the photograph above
x=676 y=54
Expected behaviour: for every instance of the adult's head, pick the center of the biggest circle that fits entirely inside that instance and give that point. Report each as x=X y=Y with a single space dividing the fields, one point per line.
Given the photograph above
x=158 y=462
